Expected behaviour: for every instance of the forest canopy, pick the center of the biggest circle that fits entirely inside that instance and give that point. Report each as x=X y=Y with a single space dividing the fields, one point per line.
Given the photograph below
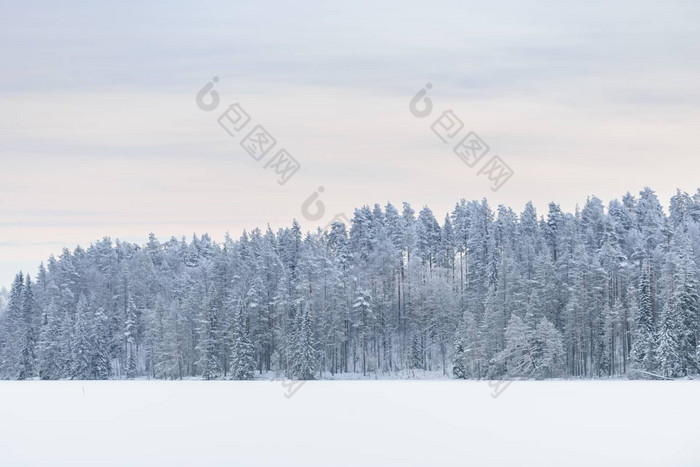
x=601 y=292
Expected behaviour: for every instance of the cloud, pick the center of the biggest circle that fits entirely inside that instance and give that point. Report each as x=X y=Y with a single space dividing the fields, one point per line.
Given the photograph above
x=100 y=134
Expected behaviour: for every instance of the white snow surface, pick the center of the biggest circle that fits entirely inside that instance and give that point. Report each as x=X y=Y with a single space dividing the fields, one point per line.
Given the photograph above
x=350 y=423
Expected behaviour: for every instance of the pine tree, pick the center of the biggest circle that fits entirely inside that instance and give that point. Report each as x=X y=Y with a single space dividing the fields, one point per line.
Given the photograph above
x=82 y=346
x=50 y=349
x=211 y=342
x=417 y=357
x=477 y=364
x=667 y=355
x=28 y=344
x=13 y=332
x=683 y=302
x=130 y=329
x=459 y=365
x=518 y=355
x=101 y=367
x=364 y=321
x=467 y=359
x=66 y=342
x=304 y=354
x=242 y=356
x=548 y=351
x=645 y=334
x=427 y=237
x=493 y=324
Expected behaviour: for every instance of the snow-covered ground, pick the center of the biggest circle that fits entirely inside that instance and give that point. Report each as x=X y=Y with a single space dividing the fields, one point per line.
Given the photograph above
x=350 y=423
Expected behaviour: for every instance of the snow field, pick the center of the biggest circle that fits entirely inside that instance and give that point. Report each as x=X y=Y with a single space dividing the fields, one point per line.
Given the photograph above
x=350 y=423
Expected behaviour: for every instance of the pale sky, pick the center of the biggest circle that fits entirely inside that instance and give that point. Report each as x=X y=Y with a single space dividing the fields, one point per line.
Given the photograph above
x=100 y=134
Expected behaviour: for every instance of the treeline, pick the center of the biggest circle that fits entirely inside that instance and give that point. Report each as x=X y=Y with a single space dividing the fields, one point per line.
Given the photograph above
x=600 y=292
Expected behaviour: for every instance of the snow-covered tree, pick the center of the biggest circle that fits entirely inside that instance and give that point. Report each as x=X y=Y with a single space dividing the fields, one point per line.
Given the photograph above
x=645 y=334
x=13 y=331
x=304 y=355
x=82 y=347
x=548 y=351
x=28 y=338
x=50 y=349
x=242 y=358
x=591 y=293
x=130 y=331
x=100 y=364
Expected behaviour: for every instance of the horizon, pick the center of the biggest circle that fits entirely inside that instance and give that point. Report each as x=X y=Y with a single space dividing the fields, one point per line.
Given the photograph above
x=307 y=228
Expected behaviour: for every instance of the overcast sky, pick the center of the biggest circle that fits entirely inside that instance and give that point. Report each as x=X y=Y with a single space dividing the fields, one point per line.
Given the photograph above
x=100 y=134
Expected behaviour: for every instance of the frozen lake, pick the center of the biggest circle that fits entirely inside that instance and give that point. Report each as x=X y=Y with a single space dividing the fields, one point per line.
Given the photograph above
x=350 y=423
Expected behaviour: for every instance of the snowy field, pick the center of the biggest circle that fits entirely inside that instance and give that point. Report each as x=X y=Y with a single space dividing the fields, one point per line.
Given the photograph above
x=350 y=423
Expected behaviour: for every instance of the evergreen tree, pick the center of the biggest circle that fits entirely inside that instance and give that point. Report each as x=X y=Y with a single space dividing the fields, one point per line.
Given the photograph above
x=548 y=351
x=304 y=360
x=364 y=321
x=82 y=358
x=101 y=367
x=130 y=329
x=66 y=342
x=242 y=358
x=517 y=357
x=417 y=357
x=667 y=346
x=28 y=344
x=459 y=365
x=686 y=299
x=13 y=331
x=211 y=342
x=468 y=359
x=645 y=334
x=50 y=349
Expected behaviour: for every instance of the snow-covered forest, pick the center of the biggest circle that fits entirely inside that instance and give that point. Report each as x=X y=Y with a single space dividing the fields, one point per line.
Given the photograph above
x=482 y=293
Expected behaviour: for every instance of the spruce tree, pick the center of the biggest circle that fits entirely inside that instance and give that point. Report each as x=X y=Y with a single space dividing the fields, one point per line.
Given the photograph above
x=666 y=355
x=130 y=330
x=66 y=341
x=645 y=333
x=50 y=360
x=13 y=332
x=684 y=302
x=82 y=358
x=459 y=366
x=28 y=344
x=242 y=355
x=548 y=351
x=101 y=367
x=304 y=364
